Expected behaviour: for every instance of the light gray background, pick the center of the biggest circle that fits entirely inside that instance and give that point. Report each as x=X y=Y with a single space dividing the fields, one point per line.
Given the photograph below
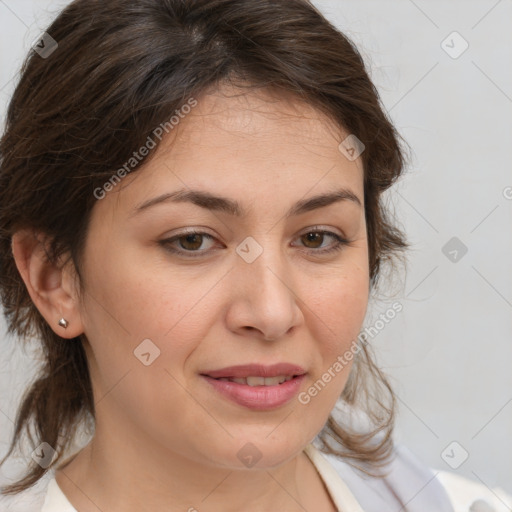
x=449 y=351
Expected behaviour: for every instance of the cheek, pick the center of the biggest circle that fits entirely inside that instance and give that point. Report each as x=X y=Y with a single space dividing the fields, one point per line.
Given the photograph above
x=336 y=312
x=339 y=305
x=138 y=298
x=133 y=303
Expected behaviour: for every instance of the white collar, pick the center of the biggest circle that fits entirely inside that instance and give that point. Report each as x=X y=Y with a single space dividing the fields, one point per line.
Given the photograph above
x=337 y=488
x=55 y=500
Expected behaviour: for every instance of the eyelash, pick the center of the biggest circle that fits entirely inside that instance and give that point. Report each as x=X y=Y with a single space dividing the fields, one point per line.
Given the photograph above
x=166 y=243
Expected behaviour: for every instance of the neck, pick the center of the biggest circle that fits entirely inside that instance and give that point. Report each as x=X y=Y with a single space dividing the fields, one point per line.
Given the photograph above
x=127 y=471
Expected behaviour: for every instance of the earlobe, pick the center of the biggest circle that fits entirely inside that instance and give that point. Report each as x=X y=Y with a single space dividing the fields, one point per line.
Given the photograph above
x=48 y=284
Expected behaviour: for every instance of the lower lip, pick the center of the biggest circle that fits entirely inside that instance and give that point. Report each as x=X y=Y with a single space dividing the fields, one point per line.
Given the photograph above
x=258 y=397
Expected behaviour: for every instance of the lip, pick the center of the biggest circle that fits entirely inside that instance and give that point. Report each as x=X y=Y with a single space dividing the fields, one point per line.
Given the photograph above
x=256 y=370
x=258 y=398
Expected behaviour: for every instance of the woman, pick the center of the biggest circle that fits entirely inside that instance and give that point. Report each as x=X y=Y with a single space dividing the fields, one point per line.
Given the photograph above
x=191 y=227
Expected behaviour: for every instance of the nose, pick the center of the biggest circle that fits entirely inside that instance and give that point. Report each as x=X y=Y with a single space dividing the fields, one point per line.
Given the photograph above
x=263 y=299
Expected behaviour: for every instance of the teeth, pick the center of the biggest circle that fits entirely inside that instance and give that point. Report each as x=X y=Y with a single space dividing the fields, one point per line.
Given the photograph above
x=259 y=381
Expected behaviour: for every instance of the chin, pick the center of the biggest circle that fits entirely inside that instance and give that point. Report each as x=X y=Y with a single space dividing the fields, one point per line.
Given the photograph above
x=257 y=451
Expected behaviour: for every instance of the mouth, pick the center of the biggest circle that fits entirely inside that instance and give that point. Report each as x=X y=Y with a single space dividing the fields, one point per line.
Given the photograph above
x=257 y=386
x=258 y=381
x=257 y=374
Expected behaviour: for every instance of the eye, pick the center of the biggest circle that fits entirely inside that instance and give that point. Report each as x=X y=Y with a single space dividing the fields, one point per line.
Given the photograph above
x=314 y=239
x=189 y=244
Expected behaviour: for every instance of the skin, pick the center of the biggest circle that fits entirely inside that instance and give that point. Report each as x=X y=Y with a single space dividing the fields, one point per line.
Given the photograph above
x=165 y=440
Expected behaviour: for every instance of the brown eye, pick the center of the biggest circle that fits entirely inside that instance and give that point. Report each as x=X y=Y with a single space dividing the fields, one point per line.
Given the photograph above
x=313 y=240
x=191 y=242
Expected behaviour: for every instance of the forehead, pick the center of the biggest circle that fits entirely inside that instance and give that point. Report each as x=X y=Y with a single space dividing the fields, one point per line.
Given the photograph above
x=250 y=143
x=256 y=115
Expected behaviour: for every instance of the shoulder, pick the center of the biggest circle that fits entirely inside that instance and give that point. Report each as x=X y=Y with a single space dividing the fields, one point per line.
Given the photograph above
x=409 y=483
x=469 y=495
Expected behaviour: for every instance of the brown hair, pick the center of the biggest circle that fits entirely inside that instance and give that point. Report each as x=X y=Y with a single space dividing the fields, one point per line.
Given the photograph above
x=121 y=68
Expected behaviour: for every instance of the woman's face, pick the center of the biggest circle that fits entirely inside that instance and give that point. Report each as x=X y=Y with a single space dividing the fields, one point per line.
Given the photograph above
x=164 y=310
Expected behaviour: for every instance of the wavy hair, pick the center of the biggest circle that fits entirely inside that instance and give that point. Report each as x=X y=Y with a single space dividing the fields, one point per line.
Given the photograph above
x=122 y=68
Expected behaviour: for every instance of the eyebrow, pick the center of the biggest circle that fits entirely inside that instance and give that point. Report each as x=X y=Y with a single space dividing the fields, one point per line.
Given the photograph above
x=223 y=204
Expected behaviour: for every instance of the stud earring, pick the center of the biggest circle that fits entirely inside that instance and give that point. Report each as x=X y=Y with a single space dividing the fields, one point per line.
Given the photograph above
x=63 y=322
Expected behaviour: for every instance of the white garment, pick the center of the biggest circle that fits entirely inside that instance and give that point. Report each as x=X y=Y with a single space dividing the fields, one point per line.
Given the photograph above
x=56 y=500
x=462 y=494
x=343 y=484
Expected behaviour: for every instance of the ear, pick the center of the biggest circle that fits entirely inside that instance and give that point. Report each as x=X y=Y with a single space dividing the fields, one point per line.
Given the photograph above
x=51 y=287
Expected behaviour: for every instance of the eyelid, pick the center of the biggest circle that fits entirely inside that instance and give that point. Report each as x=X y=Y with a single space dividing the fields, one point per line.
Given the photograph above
x=320 y=228
x=341 y=241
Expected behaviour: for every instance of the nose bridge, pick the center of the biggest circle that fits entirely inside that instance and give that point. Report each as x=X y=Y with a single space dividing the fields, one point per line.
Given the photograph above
x=263 y=259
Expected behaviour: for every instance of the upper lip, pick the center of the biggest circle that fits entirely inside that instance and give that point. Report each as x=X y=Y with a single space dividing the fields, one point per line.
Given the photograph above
x=256 y=370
